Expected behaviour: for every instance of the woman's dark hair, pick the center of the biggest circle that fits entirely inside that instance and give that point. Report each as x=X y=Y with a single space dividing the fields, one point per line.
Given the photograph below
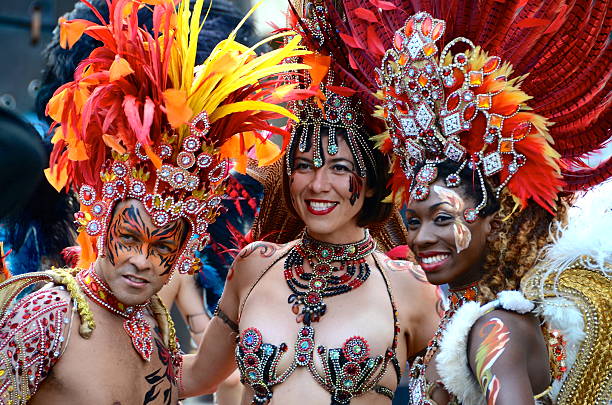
x=374 y=210
x=470 y=184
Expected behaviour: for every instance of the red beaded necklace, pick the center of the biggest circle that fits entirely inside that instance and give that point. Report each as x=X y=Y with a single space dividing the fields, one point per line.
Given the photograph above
x=309 y=288
x=135 y=324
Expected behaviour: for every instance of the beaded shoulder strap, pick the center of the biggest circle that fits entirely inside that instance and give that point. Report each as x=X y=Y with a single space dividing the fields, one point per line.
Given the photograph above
x=396 y=328
x=263 y=273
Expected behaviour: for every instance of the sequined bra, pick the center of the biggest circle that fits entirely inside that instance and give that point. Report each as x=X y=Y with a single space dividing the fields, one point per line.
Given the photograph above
x=348 y=371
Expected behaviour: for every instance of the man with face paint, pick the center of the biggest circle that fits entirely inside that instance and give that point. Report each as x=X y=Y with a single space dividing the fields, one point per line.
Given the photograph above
x=147 y=163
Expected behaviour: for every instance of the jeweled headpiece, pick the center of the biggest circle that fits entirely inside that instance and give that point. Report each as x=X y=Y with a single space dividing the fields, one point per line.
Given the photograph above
x=463 y=107
x=141 y=121
x=331 y=103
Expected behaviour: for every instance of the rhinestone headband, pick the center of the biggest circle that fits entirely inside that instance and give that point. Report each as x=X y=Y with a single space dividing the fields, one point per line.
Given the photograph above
x=338 y=112
x=191 y=170
x=437 y=103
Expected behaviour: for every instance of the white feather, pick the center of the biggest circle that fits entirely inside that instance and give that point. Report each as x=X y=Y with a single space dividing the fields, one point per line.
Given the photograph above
x=562 y=315
x=515 y=301
x=587 y=233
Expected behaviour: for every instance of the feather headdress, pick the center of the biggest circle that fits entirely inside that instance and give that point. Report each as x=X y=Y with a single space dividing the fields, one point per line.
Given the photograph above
x=141 y=121
x=553 y=56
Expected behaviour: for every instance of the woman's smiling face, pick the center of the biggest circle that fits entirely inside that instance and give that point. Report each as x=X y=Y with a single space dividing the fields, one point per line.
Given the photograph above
x=449 y=249
x=328 y=198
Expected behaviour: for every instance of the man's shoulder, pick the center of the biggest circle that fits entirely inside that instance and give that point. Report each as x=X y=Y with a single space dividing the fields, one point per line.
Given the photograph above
x=37 y=305
x=33 y=334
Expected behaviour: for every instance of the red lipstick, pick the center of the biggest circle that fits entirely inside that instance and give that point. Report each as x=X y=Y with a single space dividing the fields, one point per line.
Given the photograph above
x=319 y=210
x=429 y=265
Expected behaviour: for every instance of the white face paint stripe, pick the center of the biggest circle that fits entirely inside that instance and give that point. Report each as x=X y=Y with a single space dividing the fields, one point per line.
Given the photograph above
x=463 y=235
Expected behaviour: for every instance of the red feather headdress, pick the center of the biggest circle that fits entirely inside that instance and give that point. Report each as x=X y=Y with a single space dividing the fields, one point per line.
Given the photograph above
x=141 y=121
x=558 y=94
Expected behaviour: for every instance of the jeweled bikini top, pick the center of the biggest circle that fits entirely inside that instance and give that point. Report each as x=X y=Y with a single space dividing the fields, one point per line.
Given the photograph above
x=348 y=371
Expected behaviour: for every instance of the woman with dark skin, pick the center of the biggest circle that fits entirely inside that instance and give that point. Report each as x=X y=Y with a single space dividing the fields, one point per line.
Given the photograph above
x=256 y=298
x=504 y=346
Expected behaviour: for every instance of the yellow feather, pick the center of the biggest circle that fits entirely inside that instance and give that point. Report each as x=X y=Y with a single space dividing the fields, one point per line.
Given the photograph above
x=250 y=105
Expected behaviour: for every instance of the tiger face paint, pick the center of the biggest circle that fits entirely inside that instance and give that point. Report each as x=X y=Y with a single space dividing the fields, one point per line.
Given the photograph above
x=139 y=255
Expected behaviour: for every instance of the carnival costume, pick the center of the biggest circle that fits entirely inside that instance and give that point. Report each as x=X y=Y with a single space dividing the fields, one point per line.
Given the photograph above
x=140 y=121
x=352 y=369
x=446 y=97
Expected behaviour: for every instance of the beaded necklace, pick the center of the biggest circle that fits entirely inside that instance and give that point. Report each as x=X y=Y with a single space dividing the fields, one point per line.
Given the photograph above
x=135 y=324
x=418 y=385
x=309 y=288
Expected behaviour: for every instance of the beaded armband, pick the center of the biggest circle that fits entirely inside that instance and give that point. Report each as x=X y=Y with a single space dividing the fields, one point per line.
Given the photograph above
x=32 y=339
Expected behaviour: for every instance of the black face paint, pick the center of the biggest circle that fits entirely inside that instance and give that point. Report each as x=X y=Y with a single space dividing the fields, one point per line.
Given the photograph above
x=129 y=233
x=355 y=187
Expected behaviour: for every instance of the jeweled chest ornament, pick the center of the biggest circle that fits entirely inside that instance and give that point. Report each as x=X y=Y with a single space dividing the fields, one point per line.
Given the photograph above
x=326 y=280
x=436 y=103
x=135 y=324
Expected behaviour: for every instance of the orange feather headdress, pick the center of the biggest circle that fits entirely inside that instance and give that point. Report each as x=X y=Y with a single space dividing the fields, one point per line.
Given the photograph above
x=141 y=121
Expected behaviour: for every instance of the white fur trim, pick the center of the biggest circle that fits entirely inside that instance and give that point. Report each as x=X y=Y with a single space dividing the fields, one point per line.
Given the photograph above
x=563 y=315
x=452 y=362
x=515 y=301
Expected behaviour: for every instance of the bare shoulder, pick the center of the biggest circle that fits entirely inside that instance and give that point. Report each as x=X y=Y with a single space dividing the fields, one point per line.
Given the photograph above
x=254 y=259
x=33 y=336
x=402 y=272
x=522 y=328
x=409 y=282
x=508 y=354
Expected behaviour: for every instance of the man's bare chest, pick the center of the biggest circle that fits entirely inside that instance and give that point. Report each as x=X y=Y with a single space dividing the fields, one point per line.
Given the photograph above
x=106 y=369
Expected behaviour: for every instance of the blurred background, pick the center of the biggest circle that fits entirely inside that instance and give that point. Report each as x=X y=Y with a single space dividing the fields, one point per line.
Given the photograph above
x=26 y=27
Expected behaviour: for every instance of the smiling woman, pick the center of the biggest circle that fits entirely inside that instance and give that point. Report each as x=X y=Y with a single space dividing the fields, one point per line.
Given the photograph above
x=327 y=317
x=334 y=196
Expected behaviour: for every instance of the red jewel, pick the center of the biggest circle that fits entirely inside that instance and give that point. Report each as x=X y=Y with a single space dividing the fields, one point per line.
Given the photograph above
x=200 y=125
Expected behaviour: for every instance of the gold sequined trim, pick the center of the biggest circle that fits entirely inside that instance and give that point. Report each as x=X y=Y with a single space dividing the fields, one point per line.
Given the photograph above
x=589 y=381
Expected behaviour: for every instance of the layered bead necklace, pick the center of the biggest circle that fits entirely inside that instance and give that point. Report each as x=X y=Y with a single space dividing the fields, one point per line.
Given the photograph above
x=418 y=385
x=135 y=324
x=309 y=288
